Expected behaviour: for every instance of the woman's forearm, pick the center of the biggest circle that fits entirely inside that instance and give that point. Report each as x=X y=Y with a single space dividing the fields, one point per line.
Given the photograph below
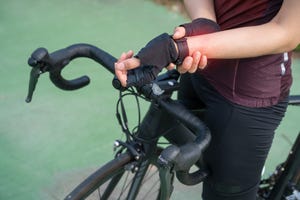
x=279 y=35
x=242 y=42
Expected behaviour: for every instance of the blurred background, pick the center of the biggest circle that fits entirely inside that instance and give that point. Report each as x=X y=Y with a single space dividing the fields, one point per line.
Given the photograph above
x=47 y=146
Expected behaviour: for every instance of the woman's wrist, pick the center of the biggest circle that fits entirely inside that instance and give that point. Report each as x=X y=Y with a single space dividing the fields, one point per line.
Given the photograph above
x=182 y=50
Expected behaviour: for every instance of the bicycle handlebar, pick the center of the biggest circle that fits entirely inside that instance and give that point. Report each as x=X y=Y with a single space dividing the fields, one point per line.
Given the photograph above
x=182 y=157
x=41 y=61
x=294 y=100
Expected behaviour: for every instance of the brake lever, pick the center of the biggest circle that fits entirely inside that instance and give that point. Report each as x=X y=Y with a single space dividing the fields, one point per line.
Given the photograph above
x=34 y=75
x=38 y=62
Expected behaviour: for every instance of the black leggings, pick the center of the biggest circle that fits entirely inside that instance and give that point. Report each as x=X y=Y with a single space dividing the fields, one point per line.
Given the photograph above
x=241 y=139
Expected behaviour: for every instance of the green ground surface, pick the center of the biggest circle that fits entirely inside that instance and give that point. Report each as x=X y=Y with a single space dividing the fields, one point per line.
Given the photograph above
x=49 y=144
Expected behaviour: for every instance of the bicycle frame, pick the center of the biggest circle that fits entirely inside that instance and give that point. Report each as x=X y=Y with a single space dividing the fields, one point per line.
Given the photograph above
x=151 y=129
x=143 y=146
x=180 y=136
x=280 y=180
x=292 y=164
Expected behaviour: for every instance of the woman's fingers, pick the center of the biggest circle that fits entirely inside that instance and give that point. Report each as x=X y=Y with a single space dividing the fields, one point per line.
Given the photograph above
x=203 y=62
x=195 y=63
x=192 y=63
x=121 y=74
x=125 y=63
x=186 y=65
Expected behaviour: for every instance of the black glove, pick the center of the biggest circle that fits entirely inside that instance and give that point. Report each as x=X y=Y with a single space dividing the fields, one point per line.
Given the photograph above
x=159 y=52
x=200 y=26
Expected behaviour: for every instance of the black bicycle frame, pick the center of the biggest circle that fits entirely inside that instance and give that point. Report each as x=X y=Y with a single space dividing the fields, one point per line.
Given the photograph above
x=291 y=166
x=156 y=123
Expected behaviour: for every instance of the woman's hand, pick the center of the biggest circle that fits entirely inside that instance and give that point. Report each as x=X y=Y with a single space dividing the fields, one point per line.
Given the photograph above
x=190 y=63
x=125 y=63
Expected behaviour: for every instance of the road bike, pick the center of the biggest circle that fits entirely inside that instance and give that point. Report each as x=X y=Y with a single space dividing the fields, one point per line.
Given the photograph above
x=144 y=167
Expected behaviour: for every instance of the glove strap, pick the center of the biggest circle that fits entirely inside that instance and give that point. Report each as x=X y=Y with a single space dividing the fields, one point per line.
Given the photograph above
x=183 y=50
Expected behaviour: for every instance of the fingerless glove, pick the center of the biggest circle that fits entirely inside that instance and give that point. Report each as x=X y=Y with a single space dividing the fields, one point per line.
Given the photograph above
x=159 y=52
x=200 y=26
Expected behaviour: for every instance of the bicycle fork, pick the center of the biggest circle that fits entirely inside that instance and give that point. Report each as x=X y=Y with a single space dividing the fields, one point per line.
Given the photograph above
x=166 y=176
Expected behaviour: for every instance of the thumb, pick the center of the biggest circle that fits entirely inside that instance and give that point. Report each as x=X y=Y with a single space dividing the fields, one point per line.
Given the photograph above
x=179 y=32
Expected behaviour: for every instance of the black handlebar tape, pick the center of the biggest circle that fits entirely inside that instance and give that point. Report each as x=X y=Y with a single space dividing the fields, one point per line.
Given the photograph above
x=294 y=100
x=191 y=178
x=93 y=52
x=137 y=77
x=142 y=75
x=185 y=116
x=64 y=84
x=59 y=59
x=188 y=154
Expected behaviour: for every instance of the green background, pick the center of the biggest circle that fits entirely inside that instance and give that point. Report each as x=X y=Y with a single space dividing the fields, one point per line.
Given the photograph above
x=48 y=145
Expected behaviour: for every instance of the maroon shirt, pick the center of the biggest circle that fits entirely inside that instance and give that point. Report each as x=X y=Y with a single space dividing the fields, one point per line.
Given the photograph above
x=253 y=82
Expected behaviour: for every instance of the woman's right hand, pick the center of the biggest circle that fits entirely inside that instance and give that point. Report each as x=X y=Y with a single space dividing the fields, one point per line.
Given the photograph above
x=193 y=62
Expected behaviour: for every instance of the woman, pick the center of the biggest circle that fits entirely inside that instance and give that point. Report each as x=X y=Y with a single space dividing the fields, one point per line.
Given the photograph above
x=241 y=73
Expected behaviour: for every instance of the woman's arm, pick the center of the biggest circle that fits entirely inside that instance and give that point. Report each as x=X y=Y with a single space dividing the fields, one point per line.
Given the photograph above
x=195 y=9
x=279 y=35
